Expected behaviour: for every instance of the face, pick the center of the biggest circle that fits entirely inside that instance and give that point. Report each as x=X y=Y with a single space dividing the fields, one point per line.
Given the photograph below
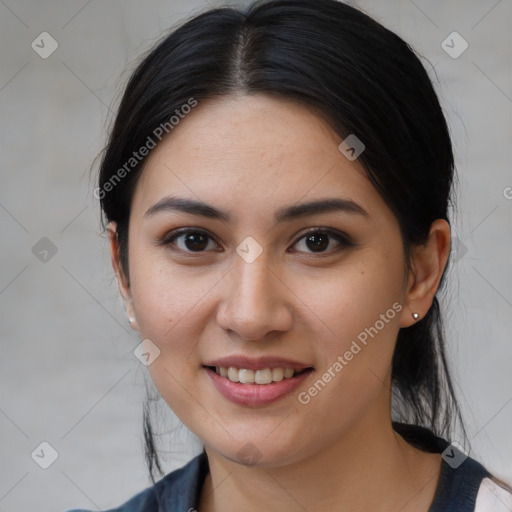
x=267 y=283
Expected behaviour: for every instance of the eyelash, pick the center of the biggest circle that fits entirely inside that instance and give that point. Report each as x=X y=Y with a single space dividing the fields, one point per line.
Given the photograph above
x=344 y=240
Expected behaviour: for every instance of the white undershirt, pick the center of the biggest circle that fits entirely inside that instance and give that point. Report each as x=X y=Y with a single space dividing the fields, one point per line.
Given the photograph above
x=493 y=498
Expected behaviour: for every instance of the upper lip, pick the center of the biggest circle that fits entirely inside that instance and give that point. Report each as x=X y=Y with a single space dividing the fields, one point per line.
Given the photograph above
x=257 y=363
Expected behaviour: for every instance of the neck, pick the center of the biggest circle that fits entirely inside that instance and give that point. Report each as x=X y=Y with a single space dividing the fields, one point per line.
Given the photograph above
x=368 y=468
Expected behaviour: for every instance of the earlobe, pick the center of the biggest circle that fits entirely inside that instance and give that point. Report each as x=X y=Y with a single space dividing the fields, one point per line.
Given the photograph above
x=122 y=280
x=428 y=262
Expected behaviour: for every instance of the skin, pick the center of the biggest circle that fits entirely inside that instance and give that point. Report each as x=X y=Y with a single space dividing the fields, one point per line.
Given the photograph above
x=250 y=156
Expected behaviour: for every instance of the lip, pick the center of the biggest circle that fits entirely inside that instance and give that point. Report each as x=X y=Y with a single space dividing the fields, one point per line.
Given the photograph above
x=255 y=395
x=257 y=363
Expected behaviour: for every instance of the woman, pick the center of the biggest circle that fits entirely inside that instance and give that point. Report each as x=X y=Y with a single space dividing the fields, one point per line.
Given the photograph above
x=276 y=187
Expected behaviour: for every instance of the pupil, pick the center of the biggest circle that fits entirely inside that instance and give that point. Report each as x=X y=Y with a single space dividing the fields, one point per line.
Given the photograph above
x=315 y=241
x=194 y=238
x=319 y=241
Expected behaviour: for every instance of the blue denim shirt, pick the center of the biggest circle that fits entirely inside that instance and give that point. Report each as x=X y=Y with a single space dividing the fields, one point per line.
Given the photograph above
x=179 y=491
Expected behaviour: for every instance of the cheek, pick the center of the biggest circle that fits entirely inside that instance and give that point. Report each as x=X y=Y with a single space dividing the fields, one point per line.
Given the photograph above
x=167 y=298
x=356 y=296
x=360 y=318
x=169 y=304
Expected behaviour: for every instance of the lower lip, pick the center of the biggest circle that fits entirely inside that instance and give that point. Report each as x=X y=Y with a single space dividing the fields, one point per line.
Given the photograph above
x=254 y=395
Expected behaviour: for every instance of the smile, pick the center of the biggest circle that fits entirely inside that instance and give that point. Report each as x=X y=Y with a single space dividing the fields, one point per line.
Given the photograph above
x=256 y=388
x=264 y=376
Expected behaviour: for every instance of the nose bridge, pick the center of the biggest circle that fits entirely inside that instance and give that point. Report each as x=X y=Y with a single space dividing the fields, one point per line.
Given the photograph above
x=254 y=303
x=252 y=285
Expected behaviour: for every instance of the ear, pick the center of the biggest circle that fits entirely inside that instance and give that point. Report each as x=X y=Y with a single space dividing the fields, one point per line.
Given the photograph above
x=428 y=262
x=122 y=279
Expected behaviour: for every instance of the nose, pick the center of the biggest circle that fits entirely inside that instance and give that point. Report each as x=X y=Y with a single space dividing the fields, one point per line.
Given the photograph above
x=256 y=301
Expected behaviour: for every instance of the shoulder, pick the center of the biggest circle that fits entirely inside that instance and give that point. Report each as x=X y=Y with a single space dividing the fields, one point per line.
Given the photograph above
x=467 y=486
x=464 y=484
x=178 y=490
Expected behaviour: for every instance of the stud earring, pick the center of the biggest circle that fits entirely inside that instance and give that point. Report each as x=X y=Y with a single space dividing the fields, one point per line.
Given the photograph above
x=131 y=319
x=415 y=316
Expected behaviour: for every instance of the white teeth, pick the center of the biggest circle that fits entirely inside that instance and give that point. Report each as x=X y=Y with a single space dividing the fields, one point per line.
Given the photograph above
x=288 y=373
x=264 y=376
x=246 y=376
x=277 y=374
x=233 y=374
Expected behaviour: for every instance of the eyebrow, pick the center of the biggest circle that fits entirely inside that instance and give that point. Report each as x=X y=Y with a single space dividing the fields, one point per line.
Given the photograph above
x=194 y=207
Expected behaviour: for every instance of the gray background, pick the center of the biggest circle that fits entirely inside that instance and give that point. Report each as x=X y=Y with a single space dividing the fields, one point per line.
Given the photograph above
x=68 y=373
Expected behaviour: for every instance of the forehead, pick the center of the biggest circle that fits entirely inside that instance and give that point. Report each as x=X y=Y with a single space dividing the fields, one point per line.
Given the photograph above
x=250 y=151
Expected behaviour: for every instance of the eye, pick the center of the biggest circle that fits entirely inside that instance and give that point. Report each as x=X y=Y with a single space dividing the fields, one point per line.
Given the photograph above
x=318 y=240
x=192 y=240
